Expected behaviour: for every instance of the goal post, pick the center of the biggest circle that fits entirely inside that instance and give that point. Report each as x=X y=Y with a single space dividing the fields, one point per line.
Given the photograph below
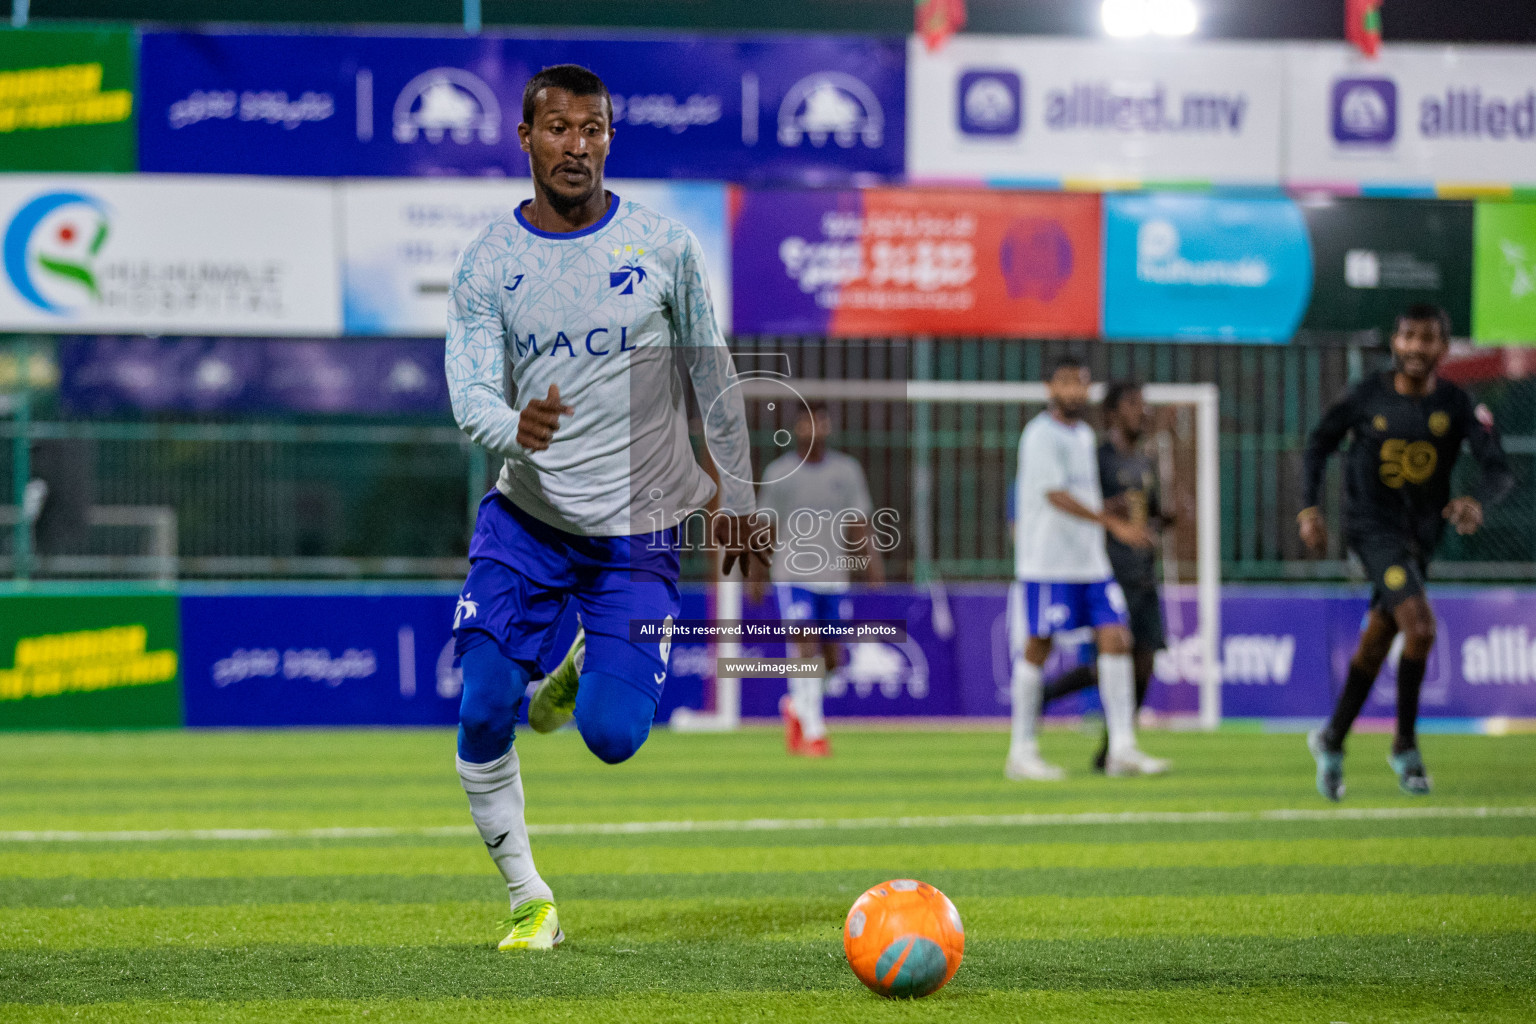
x=1201 y=399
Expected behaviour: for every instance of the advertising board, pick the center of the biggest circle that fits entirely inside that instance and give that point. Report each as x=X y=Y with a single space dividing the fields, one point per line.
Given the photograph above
x=67 y=100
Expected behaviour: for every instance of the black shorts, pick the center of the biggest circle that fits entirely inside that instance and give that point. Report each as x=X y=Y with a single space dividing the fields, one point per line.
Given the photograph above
x=1146 y=614
x=1396 y=565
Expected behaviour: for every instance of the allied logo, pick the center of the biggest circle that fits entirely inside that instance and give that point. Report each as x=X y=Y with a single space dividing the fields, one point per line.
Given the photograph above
x=831 y=105
x=447 y=103
x=1395 y=577
x=991 y=103
x=1036 y=259
x=51 y=248
x=1365 y=111
x=1439 y=423
x=630 y=273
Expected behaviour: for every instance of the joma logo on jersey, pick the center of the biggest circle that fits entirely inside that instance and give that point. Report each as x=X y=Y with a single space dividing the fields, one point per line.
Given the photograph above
x=597 y=342
x=630 y=273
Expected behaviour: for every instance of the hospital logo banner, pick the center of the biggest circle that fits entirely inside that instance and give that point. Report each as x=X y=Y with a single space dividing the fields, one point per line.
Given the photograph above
x=134 y=255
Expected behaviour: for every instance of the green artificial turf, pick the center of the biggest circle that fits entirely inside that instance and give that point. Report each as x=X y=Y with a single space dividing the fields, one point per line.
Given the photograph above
x=733 y=910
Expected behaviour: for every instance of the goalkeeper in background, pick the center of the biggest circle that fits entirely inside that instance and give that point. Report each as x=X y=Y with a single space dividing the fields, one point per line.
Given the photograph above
x=1131 y=491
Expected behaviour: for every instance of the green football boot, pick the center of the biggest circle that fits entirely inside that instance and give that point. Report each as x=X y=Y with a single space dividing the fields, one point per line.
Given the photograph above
x=1330 y=766
x=554 y=702
x=535 y=925
x=1409 y=768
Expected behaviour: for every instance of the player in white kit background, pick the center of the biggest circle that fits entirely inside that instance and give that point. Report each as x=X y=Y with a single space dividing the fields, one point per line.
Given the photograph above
x=1064 y=580
x=823 y=536
x=566 y=323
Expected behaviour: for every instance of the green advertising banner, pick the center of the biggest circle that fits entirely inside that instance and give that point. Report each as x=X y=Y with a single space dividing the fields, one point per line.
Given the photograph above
x=110 y=662
x=1373 y=258
x=67 y=100
x=1504 y=268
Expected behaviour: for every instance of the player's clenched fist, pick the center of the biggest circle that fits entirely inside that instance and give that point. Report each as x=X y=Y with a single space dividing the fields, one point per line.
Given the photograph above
x=540 y=419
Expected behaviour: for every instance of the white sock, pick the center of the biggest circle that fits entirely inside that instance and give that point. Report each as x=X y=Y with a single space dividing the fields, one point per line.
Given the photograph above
x=495 y=791
x=1117 y=689
x=807 y=697
x=1026 y=685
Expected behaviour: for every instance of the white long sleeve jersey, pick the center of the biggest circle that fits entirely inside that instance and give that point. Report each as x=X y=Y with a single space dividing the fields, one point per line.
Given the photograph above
x=606 y=314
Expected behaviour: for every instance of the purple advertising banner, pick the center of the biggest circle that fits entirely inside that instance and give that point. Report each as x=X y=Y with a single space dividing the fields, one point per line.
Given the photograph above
x=108 y=374
x=811 y=109
x=356 y=659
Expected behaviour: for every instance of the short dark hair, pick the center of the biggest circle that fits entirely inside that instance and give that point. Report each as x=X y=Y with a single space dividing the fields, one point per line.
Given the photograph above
x=573 y=78
x=1116 y=392
x=1070 y=361
x=1422 y=311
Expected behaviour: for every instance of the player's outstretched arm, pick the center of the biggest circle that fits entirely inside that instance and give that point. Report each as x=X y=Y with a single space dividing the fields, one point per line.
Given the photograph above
x=1322 y=442
x=474 y=357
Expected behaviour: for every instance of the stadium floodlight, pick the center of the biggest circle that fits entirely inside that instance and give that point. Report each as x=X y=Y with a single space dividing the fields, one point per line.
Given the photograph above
x=1128 y=19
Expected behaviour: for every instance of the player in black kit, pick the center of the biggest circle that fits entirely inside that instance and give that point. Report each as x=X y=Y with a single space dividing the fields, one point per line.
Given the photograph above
x=1407 y=429
x=1130 y=485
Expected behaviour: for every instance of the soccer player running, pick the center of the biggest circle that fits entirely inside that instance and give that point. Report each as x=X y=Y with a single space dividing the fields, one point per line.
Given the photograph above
x=820 y=505
x=1130 y=485
x=1064 y=579
x=577 y=304
x=1407 y=428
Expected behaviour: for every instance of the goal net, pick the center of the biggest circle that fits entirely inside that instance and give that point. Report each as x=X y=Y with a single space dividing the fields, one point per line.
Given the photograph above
x=941 y=456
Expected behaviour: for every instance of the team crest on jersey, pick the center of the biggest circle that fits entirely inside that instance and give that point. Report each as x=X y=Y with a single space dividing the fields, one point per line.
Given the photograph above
x=1379 y=422
x=1439 y=423
x=630 y=273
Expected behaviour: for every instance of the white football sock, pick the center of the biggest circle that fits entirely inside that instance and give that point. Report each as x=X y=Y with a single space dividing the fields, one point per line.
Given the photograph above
x=1026 y=685
x=495 y=791
x=808 y=696
x=1117 y=692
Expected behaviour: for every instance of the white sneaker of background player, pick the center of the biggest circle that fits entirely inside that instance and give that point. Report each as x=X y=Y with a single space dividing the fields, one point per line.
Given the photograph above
x=1133 y=761
x=1028 y=766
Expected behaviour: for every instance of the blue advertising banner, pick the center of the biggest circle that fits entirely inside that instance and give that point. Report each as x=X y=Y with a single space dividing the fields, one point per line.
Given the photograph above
x=1202 y=267
x=804 y=109
x=109 y=374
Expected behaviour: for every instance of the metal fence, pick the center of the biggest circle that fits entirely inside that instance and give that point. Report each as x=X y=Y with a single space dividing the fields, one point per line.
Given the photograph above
x=332 y=498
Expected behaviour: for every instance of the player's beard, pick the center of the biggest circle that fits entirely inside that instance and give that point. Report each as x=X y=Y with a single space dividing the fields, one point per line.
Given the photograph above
x=1071 y=410
x=565 y=202
x=1400 y=366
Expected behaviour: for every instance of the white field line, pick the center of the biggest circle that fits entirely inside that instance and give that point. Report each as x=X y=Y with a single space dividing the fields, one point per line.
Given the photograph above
x=788 y=824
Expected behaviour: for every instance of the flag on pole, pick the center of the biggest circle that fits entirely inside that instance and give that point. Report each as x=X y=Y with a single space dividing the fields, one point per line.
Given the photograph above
x=937 y=20
x=1362 y=25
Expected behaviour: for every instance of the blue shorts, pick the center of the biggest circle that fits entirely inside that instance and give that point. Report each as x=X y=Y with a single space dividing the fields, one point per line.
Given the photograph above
x=525 y=576
x=1045 y=609
x=797 y=604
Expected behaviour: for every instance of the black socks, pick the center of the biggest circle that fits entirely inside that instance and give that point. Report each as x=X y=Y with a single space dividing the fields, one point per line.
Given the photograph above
x=1410 y=678
x=1357 y=687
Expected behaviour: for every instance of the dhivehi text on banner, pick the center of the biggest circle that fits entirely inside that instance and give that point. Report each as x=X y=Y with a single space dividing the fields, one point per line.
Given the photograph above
x=1504 y=269
x=167 y=255
x=401 y=239
x=1418 y=115
x=67 y=100
x=905 y=262
x=89 y=662
x=1202 y=267
x=1048 y=111
x=807 y=110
